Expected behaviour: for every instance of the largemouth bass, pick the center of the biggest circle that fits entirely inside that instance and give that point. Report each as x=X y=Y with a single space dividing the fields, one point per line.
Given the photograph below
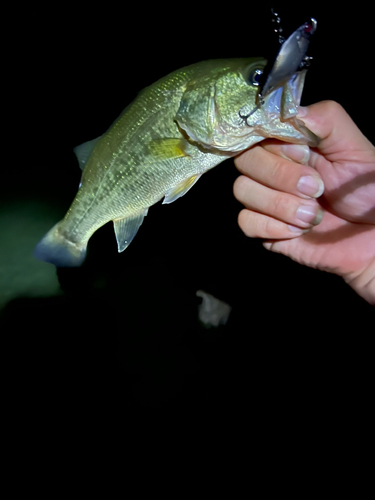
x=174 y=131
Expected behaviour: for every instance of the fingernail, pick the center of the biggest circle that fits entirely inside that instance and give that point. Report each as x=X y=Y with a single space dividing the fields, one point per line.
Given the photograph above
x=297 y=230
x=302 y=111
x=311 y=186
x=296 y=152
x=312 y=215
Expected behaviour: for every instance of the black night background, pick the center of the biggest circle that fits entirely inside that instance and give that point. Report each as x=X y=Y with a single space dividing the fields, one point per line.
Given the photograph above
x=121 y=334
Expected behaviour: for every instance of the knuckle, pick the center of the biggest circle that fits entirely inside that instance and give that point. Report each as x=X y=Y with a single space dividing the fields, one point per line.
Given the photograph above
x=333 y=105
x=255 y=225
x=271 y=227
x=280 y=171
x=240 y=187
x=246 y=222
x=281 y=205
x=251 y=224
x=281 y=174
x=332 y=108
x=245 y=161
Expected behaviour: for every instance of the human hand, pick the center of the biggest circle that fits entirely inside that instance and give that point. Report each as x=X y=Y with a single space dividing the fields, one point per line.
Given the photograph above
x=334 y=231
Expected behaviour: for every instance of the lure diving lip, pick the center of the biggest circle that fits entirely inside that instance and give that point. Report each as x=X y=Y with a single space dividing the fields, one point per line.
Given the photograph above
x=290 y=58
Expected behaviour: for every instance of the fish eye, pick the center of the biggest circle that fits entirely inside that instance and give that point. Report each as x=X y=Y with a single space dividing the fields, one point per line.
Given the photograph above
x=254 y=77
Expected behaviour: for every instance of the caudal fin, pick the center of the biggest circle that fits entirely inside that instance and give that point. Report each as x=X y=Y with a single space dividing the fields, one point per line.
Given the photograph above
x=57 y=250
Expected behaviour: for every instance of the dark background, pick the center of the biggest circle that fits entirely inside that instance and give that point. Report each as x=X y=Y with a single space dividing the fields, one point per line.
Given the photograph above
x=122 y=334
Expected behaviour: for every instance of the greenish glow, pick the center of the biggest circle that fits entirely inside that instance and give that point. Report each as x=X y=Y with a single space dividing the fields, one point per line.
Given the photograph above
x=21 y=275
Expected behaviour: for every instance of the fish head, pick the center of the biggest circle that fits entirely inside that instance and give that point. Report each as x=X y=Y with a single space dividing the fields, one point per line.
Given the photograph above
x=219 y=109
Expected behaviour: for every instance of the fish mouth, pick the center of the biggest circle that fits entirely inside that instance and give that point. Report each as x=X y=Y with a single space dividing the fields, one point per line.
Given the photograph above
x=281 y=83
x=285 y=101
x=276 y=115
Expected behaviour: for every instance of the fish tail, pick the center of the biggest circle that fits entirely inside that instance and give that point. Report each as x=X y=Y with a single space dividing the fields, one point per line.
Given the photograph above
x=58 y=250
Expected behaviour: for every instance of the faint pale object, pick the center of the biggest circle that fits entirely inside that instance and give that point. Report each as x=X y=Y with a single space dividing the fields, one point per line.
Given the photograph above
x=212 y=311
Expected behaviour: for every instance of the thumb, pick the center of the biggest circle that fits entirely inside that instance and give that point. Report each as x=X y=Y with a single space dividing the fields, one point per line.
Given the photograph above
x=339 y=135
x=345 y=160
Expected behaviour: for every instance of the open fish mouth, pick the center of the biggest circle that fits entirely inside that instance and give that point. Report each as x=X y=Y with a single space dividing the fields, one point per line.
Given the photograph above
x=283 y=105
x=280 y=87
x=276 y=116
x=284 y=102
x=281 y=83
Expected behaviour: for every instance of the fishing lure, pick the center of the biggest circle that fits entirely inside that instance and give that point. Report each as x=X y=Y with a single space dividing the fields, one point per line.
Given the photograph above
x=289 y=60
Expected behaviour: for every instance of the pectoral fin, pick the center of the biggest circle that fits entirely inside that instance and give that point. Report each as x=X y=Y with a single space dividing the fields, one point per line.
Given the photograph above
x=168 y=148
x=127 y=228
x=181 y=189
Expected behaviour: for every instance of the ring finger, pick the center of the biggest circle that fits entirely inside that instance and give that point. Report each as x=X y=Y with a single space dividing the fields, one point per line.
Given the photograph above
x=284 y=207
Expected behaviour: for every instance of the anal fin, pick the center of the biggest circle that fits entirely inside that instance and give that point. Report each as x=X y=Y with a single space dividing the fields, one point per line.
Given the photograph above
x=181 y=189
x=127 y=228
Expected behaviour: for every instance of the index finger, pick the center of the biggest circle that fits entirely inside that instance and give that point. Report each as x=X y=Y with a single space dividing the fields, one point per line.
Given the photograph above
x=278 y=172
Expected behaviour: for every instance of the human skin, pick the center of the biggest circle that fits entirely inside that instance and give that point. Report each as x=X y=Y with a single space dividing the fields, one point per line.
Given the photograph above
x=282 y=191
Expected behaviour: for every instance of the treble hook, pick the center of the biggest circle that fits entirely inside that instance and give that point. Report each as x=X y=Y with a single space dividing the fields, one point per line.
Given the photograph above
x=245 y=117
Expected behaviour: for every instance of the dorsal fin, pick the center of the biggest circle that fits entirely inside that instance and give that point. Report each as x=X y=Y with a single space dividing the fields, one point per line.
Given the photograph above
x=84 y=151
